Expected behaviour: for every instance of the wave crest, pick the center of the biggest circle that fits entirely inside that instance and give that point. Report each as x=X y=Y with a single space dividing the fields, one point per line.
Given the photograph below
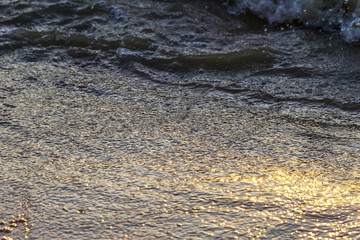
x=327 y=14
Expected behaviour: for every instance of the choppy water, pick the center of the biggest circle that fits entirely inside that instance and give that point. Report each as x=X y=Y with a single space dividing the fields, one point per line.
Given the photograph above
x=178 y=119
x=329 y=15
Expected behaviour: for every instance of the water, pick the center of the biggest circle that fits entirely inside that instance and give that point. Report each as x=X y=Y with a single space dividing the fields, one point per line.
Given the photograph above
x=177 y=119
x=329 y=15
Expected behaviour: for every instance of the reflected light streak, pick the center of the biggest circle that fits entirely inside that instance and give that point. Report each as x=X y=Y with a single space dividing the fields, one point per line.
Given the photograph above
x=298 y=205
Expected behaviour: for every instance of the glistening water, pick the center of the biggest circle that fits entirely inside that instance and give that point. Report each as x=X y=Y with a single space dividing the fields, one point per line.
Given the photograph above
x=189 y=119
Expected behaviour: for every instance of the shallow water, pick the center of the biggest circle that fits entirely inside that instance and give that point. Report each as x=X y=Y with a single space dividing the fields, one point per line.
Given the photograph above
x=174 y=119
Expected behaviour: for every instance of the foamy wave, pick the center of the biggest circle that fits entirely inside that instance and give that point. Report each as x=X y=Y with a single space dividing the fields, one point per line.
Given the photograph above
x=327 y=14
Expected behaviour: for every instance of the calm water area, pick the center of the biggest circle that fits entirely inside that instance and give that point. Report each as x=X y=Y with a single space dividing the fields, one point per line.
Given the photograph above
x=163 y=119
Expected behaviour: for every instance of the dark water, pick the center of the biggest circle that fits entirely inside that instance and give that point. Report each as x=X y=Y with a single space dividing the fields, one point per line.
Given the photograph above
x=174 y=119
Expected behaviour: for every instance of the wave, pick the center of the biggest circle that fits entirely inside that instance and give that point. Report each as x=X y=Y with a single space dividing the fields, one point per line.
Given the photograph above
x=330 y=15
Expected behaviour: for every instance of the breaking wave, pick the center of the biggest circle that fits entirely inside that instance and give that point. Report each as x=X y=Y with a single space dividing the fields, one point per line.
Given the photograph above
x=330 y=15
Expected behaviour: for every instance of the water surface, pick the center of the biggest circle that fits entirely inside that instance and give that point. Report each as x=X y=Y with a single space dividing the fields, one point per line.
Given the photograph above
x=175 y=119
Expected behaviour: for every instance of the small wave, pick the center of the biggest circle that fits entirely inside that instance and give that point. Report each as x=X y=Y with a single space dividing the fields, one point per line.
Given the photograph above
x=330 y=15
x=219 y=62
x=59 y=38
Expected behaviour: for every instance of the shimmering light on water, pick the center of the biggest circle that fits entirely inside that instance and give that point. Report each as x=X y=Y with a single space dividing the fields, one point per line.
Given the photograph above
x=154 y=119
x=123 y=166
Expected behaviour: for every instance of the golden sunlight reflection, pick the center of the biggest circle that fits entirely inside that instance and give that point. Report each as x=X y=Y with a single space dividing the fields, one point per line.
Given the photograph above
x=282 y=201
x=129 y=167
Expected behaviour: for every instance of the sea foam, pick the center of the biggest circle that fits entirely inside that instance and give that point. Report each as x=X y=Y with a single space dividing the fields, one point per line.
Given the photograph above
x=330 y=15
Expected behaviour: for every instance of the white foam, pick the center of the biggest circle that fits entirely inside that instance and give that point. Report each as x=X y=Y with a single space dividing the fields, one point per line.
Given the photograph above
x=327 y=14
